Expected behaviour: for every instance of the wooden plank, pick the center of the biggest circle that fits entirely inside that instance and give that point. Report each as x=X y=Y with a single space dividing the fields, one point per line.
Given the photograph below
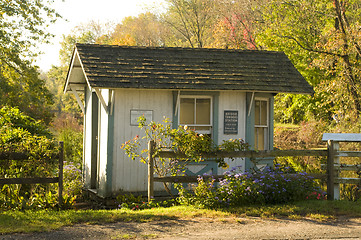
x=61 y=168
x=250 y=154
x=330 y=171
x=342 y=137
x=13 y=156
x=6 y=156
x=35 y=180
x=348 y=180
x=185 y=179
x=217 y=178
x=348 y=154
x=150 y=171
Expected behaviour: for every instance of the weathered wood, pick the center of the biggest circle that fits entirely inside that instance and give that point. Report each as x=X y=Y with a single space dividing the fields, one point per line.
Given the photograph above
x=348 y=180
x=344 y=167
x=150 y=171
x=13 y=156
x=217 y=178
x=6 y=156
x=186 y=179
x=249 y=154
x=61 y=167
x=342 y=137
x=330 y=171
x=348 y=154
x=34 y=180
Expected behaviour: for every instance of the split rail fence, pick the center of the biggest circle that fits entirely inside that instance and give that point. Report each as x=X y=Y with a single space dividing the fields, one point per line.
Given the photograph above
x=18 y=156
x=332 y=167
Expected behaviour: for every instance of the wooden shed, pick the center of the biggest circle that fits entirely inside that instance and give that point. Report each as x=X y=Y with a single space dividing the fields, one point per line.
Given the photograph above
x=223 y=93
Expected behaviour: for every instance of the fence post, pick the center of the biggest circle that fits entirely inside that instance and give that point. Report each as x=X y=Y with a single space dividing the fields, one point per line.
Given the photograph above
x=330 y=171
x=61 y=166
x=333 y=190
x=150 y=170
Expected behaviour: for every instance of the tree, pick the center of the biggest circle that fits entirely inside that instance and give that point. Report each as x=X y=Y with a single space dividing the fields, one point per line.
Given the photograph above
x=323 y=39
x=22 y=25
x=236 y=25
x=192 y=19
x=144 y=30
x=84 y=33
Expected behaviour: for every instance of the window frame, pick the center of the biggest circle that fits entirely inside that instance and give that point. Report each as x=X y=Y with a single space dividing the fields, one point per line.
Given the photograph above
x=262 y=126
x=195 y=97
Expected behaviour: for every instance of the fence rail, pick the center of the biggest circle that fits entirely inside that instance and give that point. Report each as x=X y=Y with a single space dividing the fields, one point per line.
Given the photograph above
x=7 y=156
x=331 y=175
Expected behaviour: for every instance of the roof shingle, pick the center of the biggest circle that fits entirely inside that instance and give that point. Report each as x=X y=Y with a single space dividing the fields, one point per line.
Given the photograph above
x=108 y=66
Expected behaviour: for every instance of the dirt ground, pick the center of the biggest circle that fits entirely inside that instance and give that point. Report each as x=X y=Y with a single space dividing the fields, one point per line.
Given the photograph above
x=202 y=228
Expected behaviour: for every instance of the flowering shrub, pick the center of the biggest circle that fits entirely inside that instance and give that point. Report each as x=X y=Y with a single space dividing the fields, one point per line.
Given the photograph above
x=72 y=180
x=271 y=186
x=182 y=139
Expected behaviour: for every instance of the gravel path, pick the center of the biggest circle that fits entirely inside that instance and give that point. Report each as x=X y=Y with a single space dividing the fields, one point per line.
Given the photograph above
x=203 y=228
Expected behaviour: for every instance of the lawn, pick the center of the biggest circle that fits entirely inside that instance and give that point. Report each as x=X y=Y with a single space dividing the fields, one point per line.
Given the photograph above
x=47 y=220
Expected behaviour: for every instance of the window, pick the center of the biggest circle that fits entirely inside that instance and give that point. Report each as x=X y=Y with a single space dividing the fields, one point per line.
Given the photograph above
x=261 y=125
x=196 y=112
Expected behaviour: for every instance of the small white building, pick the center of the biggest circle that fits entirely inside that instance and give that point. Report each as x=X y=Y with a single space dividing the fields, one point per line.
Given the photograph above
x=224 y=93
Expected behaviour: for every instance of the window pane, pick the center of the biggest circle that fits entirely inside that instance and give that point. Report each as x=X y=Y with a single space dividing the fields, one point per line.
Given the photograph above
x=186 y=113
x=259 y=139
x=264 y=113
x=257 y=113
x=203 y=111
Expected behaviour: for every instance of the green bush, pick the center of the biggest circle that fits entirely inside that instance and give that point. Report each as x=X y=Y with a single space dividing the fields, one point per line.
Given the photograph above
x=270 y=186
x=21 y=133
x=73 y=161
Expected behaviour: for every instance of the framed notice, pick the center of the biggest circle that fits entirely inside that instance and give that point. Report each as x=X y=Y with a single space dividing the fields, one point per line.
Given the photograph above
x=230 y=122
x=135 y=114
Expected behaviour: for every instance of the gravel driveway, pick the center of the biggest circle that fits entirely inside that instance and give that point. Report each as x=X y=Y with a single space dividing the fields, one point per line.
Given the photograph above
x=204 y=228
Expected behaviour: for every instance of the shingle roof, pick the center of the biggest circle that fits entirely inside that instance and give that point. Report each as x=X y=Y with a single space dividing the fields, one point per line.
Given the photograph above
x=107 y=66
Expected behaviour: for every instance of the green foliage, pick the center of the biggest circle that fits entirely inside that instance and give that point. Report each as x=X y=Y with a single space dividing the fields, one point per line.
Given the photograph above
x=271 y=186
x=19 y=81
x=13 y=117
x=320 y=38
x=21 y=133
x=182 y=140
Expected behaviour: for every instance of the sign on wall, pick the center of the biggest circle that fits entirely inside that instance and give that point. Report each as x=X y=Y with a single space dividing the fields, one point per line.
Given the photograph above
x=230 y=122
x=135 y=114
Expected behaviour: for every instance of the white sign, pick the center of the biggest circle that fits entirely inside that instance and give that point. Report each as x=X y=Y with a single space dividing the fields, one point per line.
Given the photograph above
x=135 y=114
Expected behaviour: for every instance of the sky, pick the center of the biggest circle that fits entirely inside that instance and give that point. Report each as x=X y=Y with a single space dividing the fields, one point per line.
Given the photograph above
x=76 y=12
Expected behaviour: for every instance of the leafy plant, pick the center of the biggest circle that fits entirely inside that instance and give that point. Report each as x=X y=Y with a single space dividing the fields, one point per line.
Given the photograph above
x=182 y=140
x=271 y=186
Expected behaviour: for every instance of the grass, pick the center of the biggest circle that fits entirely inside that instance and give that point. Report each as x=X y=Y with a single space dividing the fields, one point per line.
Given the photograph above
x=47 y=220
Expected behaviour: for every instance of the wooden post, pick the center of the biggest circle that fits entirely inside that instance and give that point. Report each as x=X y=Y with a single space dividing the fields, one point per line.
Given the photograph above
x=150 y=171
x=336 y=160
x=61 y=166
x=333 y=190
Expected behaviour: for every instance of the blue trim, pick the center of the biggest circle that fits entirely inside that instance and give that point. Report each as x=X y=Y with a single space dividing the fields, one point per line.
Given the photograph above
x=250 y=120
x=215 y=122
x=249 y=127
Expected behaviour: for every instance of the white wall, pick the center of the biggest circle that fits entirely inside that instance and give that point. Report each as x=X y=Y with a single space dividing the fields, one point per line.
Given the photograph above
x=129 y=175
x=87 y=139
x=232 y=100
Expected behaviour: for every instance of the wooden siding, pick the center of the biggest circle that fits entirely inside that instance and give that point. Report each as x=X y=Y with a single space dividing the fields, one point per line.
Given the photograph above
x=232 y=100
x=129 y=175
x=103 y=138
x=87 y=139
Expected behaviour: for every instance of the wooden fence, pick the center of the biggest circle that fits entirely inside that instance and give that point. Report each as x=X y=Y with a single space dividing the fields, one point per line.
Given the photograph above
x=6 y=156
x=332 y=172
